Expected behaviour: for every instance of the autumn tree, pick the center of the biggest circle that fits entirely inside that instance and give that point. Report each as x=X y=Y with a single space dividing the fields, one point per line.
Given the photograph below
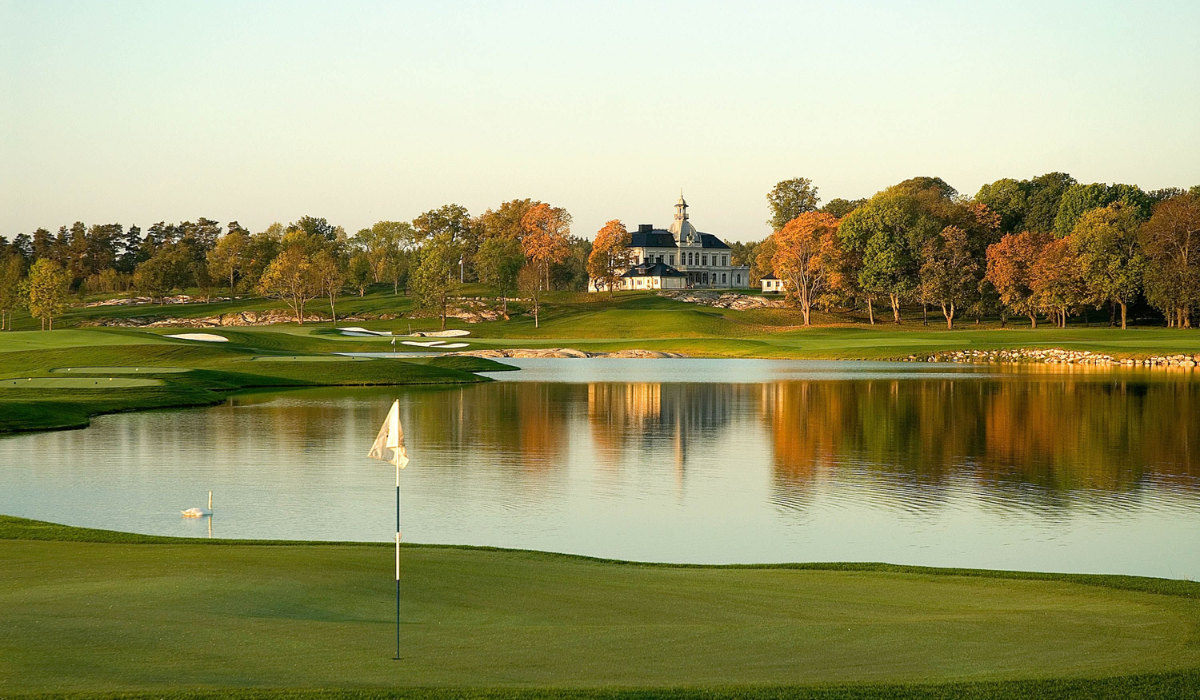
x=1110 y=258
x=610 y=255
x=1056 y=282
x=505 y=220
x=12 y=274
x=434 y=277
x=290 y=278
x=1010 y=270
x=330 y=276
x=760 y=264
x=49 y=284
x=789 y=199
x=839 y=207
x=798 y=258
x=544 y=239
x=1171 y=242
x=949 y=273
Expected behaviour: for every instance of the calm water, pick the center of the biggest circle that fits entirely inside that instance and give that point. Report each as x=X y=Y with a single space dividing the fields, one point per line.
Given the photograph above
x=689 y=461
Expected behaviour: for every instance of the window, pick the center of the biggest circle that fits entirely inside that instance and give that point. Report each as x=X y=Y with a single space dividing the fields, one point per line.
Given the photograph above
x=672 y=258
x=704 y=260
x=722 y=278
x=660 y=258
x=724 y=260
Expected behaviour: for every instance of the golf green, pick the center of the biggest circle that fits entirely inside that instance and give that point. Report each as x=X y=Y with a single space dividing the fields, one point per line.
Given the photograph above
x=77 y=382
x=172 y=615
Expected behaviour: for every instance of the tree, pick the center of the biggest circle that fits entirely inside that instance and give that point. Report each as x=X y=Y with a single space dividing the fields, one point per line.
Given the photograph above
x=839 y=207
x=505 y=221
x=1171 y=242
x=880 y=232
x=1055 y=280
x=610 y=255
x=789 y=199
x=498 y=262
x=798 y=257
x=1110 y=259
x=359 y=273
x=327 y=269
x=385 y=245
x=760 y=264
x=290 y=277
x=315 y=226
x=434 y=276
x=227 y=258
x=544 y=240
x=12 y=273
x=949 y=274
x=529 y=281
x=48 y=286
x=168 y=268
x=1010 y=270
x=1080 y=199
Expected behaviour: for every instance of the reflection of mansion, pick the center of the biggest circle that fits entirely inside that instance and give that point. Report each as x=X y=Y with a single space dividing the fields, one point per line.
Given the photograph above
x=679 y=257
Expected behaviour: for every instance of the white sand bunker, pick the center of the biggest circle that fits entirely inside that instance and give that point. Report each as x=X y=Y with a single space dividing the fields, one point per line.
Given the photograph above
x=452 y=333
x=362 y=332
x=434 y=344
x=202 y=337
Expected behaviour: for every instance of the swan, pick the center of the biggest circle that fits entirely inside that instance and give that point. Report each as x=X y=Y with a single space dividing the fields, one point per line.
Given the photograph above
x=199 y=512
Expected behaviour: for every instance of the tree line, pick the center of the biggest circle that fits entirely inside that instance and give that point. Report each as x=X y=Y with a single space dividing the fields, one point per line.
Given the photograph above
x=522 y=244
x=1048 y=247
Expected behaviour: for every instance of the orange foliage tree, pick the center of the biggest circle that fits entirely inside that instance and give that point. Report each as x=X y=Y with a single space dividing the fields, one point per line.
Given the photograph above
x=544 y=240
x=610 y=255
x=1055 y=280
x=1009 y=268
x=799 y=261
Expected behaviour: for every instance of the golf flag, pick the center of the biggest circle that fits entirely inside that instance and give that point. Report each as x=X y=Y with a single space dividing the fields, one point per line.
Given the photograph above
x=389 y=444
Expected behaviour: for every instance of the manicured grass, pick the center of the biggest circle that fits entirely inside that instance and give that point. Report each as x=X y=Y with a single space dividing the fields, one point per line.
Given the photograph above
x=85 y=611
x=214 y=370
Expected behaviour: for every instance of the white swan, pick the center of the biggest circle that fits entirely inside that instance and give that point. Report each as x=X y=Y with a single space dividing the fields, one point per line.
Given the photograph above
x=199 y=512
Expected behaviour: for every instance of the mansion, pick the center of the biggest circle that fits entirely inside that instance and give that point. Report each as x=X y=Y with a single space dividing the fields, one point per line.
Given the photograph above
x=679 y=257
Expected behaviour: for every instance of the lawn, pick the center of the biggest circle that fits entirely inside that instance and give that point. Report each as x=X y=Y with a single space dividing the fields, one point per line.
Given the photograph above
x=95 y=612
x=35 y=394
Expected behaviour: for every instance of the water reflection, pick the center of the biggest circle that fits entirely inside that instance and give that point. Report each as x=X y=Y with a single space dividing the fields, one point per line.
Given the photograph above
x=685 y=461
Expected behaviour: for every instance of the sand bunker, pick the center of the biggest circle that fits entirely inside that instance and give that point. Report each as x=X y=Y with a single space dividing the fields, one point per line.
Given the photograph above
x=202 y=337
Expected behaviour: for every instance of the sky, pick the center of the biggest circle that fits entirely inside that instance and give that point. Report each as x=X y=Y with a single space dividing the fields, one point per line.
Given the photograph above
x=137 y=112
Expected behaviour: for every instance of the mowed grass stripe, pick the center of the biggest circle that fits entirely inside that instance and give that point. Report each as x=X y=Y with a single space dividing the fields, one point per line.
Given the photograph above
x=101 y=617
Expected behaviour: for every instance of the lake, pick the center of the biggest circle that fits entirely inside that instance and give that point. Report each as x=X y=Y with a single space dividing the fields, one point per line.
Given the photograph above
x=706 y=461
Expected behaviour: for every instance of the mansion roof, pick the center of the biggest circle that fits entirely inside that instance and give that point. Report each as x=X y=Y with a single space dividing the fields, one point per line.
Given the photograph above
x=661 y=238
x=652 y=270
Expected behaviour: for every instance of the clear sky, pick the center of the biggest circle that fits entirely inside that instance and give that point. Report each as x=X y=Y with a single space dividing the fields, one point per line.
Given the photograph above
x=359 y=111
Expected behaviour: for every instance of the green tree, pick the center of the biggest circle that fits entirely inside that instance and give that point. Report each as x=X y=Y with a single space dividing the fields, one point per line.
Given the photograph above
x=358 y=273
x=840 y=207
x=227 y=259
x=330 y=276
x=1080 y=199
x=386 y=244
x=950 y=273
x=789 y=199
x=291 y=278
x=48 y=286
x=167 y=269
x=529 y=281
x=880 y=233
x=1105 y=241
x=435 y=276
x=499 y=261
x=12 y=274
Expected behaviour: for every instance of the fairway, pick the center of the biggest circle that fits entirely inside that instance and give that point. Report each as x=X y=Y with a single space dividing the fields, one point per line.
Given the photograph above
x=92 y=616
x=78 y=383
x=121 y=370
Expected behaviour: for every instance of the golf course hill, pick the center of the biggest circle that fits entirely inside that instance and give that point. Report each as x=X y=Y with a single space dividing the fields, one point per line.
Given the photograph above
x=101 y=614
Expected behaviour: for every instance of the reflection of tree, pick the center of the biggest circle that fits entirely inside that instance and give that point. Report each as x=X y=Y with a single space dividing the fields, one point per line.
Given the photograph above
x=1058 y=432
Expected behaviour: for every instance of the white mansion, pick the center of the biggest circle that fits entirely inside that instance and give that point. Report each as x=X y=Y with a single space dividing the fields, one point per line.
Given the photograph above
x=679 y=257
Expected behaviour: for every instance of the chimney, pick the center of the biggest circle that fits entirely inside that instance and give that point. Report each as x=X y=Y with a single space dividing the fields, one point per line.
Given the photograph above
x=645 y=228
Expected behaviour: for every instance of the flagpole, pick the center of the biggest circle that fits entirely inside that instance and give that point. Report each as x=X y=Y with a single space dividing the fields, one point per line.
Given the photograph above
x=397 y=560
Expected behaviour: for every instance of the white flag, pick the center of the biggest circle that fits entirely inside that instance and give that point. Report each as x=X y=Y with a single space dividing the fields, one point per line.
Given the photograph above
x=389 y=444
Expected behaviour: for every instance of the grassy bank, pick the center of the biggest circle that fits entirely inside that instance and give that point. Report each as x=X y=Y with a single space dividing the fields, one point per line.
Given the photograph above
x=63 y=361
x=92 y=612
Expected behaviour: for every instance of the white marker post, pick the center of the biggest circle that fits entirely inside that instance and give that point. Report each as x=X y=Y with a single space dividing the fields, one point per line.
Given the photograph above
x=389 y=447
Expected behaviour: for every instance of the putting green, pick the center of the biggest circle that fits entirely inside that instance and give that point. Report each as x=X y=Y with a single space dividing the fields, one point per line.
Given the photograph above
x=307 y=358
x=110 y=616
x=77 y=383
x=120 y=370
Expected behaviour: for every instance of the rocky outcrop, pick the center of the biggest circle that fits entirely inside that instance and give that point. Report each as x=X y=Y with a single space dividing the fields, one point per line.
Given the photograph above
x=1057 y=356
x=723 y=300
x=241 y=318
